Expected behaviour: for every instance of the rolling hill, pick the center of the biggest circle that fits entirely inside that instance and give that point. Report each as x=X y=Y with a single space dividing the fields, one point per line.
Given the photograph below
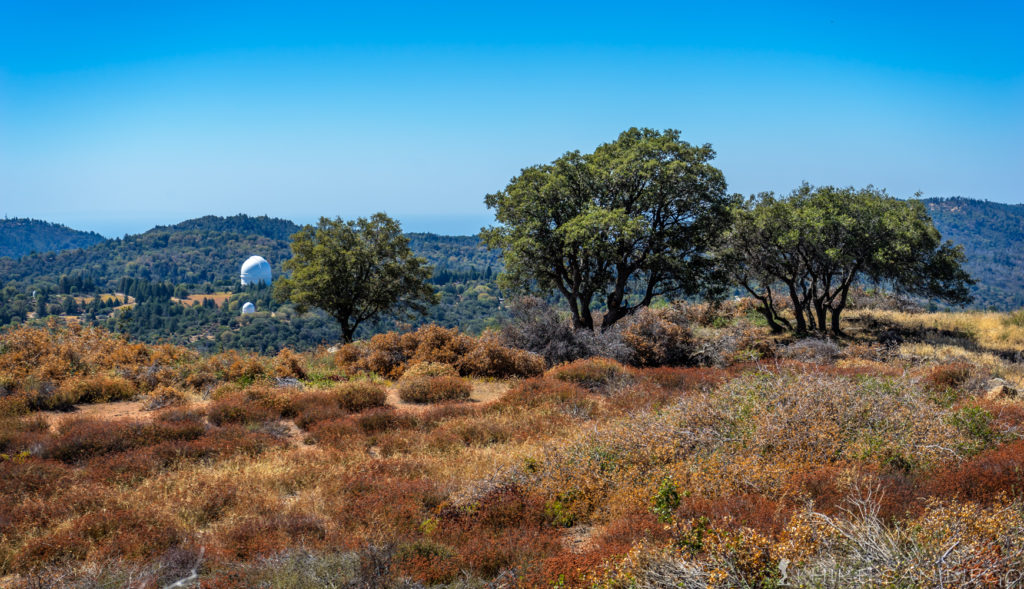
x=19 y=237
x=992 y=235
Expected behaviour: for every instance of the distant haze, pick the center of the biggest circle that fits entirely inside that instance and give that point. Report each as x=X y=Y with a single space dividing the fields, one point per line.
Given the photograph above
x=115 y=117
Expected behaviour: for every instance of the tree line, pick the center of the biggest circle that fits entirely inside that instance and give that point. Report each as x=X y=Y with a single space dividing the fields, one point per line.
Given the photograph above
x=644 y=217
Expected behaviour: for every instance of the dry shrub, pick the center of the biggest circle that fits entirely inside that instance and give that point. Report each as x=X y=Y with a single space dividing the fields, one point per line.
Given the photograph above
x=384 y=419
x=686 y=379
x=81 y=438
x=427 y=369
x=537 y=392
x=241 y=408
x=489 y=358
x=164 y=396
x=106 y=534
x=315 y=406
x=434 y=389
x=814 y=350
x=596 y=374
x=359 y=395
x=336 y=433
x=657 y=337
x=98 y=388
x=948 y=376
x=13 y=405
x=391 y=354
x=288 y=364
x=538 y=327
x=983 y=478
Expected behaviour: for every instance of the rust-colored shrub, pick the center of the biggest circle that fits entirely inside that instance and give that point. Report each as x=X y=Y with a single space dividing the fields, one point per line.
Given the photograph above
x=536 y=392
x=391 y=354
x=83 y=438
x=288 y=364
x=240 y=408
x=489 y=358
x=984 y=477
x=384 y=419
x=358 y=395
x=948 y=376
x=106 y=534
x=434 y=389
x=596 y=374
x=336 y=433
x=315 y=406
x=686 y=379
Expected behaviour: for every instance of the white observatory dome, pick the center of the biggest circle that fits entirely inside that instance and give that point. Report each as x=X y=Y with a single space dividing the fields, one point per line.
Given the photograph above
x=255 y=270
x=248 y=309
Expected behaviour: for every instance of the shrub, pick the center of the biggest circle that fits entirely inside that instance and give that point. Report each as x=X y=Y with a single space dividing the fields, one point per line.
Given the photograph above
x=819 y=351
x=97 y=388
x=490 y=358
x=240 y=408
x=948 y=376
x=358 y=395
x=434 y=389
x=316 y=406
x=163 y=396
x=427 y=369
x=538 y=327
x=566 y=396
x=596 y=374
x=391 y=354
x=655 y=339
x=288 y=364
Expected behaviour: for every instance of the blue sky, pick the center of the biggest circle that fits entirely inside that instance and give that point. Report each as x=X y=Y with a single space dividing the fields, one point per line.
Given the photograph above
x=115 y=117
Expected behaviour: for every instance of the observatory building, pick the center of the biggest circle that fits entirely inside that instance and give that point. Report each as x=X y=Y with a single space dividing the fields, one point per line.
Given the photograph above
x=248 y=308
x=255 y=270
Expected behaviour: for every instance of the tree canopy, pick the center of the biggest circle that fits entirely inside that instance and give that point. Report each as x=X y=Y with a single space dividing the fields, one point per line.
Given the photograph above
x=814 y=245
x=616 y=228
x=356 y=271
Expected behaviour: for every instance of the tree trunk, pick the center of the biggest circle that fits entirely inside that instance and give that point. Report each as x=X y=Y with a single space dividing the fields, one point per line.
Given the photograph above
x=798 y=308
x=838 y=309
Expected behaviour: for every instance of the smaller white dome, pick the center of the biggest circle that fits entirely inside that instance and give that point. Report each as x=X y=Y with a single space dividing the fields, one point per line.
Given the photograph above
x=248 y=308
x=256 y=270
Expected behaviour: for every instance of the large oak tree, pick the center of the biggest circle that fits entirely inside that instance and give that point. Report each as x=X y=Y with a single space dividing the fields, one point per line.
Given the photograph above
x=356 y=271
x=616 y=228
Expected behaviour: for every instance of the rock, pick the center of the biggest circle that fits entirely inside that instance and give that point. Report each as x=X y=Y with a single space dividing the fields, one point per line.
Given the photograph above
x=1000 y=389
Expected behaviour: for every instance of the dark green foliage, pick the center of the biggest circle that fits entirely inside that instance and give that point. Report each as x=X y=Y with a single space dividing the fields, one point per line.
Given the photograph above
x=992 y=235
x=814 y=245
x=356 y=271
x=632 y=221
x=19 y=237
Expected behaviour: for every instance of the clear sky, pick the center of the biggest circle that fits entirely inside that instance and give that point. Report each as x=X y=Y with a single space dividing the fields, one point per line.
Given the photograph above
x=115 y=117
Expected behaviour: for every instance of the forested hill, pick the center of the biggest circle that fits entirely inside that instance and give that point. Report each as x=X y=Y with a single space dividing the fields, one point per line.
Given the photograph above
x=208 y=249
x=993 y=238
x=19 y=237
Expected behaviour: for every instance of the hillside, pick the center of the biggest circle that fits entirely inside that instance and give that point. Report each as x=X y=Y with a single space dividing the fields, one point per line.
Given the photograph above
x=19 y=237
x=203 y=256
x=993 y=238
